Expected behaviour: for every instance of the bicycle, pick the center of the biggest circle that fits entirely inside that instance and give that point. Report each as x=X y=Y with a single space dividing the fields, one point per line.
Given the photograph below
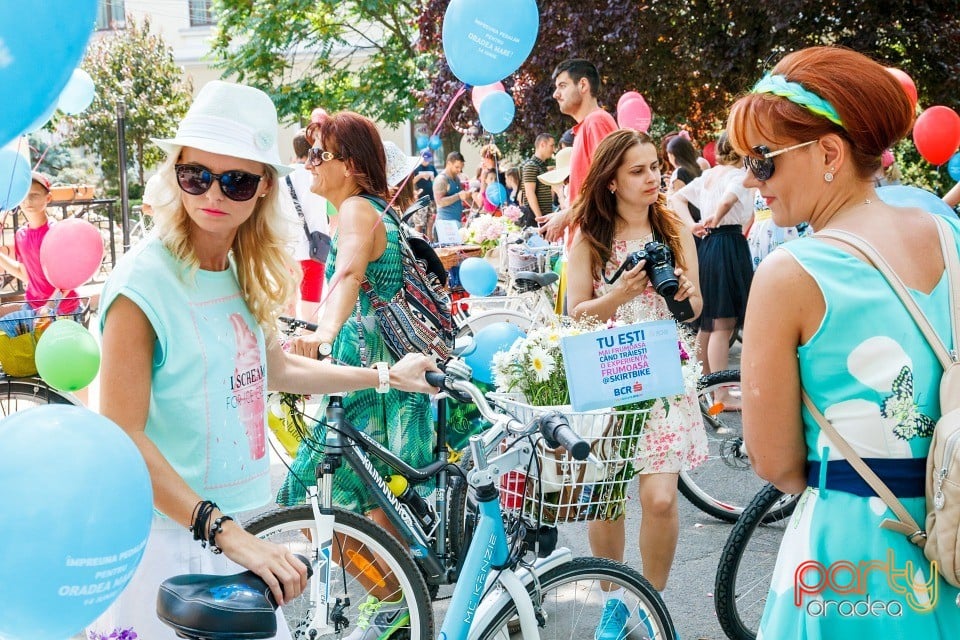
x=725 y=483
x=747 y=562
x=20 y=386
x=503 y=592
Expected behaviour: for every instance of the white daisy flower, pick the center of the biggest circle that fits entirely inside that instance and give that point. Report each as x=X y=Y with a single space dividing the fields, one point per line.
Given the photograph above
x=542 y=363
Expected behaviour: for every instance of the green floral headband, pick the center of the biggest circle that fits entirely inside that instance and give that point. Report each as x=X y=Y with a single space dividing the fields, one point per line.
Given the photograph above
x=794 y=92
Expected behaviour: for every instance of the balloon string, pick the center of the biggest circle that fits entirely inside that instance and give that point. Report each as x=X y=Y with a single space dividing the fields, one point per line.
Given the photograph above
x=338 y=276
x=13 y=171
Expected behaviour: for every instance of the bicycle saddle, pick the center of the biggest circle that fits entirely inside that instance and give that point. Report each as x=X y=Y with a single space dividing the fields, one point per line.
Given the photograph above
x=206 y=607
x=531 y=280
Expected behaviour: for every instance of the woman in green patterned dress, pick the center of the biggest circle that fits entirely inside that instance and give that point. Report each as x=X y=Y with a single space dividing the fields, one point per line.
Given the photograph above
x=348 y=163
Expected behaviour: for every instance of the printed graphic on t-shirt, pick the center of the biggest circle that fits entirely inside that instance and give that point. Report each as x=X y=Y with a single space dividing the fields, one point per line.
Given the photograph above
x=246 y=386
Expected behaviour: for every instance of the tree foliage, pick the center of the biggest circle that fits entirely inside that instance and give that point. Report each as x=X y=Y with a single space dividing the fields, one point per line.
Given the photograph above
x=337 y=54
x=138 y=66
x=691 y=58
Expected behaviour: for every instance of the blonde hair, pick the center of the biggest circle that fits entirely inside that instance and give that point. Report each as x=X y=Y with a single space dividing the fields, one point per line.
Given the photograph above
x=266 y=272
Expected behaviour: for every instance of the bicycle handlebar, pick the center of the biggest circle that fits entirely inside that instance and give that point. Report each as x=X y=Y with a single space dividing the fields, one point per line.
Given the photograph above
x=553 y=426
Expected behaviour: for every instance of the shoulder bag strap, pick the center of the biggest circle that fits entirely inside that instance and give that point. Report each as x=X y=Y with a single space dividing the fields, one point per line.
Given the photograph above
x=906 y=524
x=952 y=267
x=296 y=203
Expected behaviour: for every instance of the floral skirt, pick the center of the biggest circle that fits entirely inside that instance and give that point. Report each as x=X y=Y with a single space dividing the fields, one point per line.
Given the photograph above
x=674 y=438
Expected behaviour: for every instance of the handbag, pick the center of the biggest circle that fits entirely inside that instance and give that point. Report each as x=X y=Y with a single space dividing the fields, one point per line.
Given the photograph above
x=318 y=241
x=941 y=534
x=417 y=319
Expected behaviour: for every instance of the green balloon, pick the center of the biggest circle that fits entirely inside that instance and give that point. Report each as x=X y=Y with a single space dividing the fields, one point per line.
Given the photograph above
x=68 y=356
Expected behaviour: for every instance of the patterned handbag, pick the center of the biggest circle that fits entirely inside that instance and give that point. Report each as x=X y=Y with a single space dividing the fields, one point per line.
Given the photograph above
x=417 y=319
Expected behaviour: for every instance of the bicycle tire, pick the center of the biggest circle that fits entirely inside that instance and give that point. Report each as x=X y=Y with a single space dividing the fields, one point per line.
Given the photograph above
x=287 y=525
x=17 y=394
x=572 y=602
x=475 y=323
x=740 y=589
x=723 y=485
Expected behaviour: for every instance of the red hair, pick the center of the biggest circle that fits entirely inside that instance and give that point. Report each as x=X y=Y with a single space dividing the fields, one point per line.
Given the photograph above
x=872 y=105
x=355 y=138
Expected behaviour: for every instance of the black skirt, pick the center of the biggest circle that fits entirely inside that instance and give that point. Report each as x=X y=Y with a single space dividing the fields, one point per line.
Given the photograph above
x=726 y=271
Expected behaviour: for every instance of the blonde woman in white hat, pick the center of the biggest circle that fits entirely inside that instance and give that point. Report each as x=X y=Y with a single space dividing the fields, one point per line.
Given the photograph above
x=186 y=364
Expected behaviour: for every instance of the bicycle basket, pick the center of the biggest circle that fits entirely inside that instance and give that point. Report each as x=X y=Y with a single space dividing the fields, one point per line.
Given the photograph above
x=519 y=258
x=558 y=488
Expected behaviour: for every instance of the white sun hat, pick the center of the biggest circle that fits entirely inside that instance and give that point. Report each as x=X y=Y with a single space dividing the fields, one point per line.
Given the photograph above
x=562 y=170
x=399 y=164
x=232 y=120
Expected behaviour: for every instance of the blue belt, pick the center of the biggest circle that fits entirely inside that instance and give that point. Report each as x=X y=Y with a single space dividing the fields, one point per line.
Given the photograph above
x=906 y=477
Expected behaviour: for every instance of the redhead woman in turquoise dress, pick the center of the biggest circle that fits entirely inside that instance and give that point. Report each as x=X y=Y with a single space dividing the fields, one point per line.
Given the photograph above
x=812 y=132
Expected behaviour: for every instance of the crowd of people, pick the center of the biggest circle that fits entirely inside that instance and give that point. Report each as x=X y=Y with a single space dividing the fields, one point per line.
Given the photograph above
x=188 y=316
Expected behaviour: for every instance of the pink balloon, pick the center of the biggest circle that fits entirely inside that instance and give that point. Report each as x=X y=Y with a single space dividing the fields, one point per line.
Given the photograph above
x=629 y=95
x=709 y=152
x=71 y=253
x=634 y=114
x=479 y=93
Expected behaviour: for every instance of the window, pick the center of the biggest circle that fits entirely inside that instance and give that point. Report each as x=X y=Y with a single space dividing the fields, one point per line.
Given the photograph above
x=110 y=15
x=201 y=13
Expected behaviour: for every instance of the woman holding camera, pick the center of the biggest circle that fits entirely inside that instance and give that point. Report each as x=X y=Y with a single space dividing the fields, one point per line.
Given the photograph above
x=619 y=211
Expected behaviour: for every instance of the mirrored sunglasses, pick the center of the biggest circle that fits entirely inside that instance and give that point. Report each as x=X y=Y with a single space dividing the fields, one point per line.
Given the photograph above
x=763 y=166
x=236 y=185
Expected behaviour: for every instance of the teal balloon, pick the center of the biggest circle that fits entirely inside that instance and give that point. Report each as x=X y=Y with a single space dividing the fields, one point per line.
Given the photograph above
x=496 y=194
x=14 y=178
x=478 y=277
x=435 y=142
x=486 y=343
x=953 y=166
x=497 y=111
x=42 y=119
x=486 y=40
x=75 y=512
x=67 y=356
x=40 y=45
x=900 y=195
x=422 y=142
x=78 y=94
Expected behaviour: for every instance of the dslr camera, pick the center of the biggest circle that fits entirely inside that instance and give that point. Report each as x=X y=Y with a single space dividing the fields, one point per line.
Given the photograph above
x=659 y=267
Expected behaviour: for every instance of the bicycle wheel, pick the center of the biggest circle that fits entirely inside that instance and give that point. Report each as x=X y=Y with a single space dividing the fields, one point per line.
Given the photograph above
x=373 y=553
x=572 y=603
x=746 y=566
x=17 y=394
x=724 y=484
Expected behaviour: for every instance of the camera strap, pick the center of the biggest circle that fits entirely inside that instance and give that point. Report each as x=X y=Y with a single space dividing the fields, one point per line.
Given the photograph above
x=296 y=203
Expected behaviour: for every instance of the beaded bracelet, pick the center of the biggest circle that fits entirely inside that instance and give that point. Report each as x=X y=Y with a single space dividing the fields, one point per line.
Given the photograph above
x=214 y=530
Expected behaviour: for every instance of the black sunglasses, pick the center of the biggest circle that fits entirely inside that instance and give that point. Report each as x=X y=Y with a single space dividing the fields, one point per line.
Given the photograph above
x=763 y=167
x=317 y=156
x=237 y=185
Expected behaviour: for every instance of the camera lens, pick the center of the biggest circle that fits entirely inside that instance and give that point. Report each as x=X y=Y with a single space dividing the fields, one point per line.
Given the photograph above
x=664 y=280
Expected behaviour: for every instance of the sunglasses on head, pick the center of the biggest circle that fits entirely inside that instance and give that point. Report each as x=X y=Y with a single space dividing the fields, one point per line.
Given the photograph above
x=237 y=185
x=317 y=156
x=763 y=167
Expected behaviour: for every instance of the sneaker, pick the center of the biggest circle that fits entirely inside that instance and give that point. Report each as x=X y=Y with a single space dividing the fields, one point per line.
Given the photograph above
x=379 y=619
x=613 y=622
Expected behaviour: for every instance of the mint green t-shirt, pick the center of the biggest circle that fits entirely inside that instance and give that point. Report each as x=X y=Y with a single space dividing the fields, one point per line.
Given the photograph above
x=208 y=389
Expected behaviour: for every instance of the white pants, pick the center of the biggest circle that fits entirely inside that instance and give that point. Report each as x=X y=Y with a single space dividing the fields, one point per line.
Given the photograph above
x=170 y=551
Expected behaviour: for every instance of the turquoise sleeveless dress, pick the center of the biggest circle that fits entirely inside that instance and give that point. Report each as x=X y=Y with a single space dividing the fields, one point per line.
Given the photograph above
x=870 y=372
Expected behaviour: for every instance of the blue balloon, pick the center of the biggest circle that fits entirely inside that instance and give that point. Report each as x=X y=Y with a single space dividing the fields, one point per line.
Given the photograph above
x=42 y=42
x=486 y=343
x=497 y=111
x=435 y=142
x=14 y=178
x=478 y=277
x=953 y=166
x=422 y=142
x=75 y=513
x=486 y=40
x=900 y=195
x=42 y=119
x=496 y=194
x=78 y=94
